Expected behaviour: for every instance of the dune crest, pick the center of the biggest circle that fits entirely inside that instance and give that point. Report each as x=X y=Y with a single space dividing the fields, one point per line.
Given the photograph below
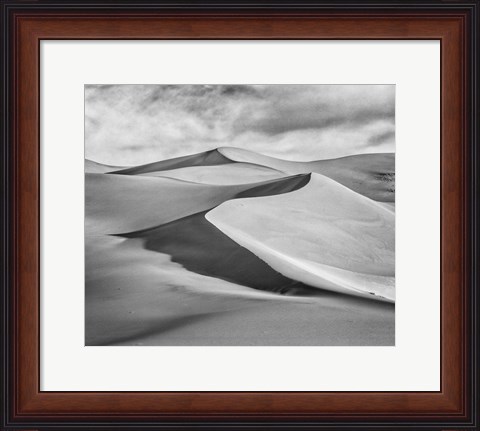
x=99 y=168
x=123 y=203
x=324 y=235
x=207 y=158
x=233 y=173
x=372 y=175
x=219 y=220
x=200 y=247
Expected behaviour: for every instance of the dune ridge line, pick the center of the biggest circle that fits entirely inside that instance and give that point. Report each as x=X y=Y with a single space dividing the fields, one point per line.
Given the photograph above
x=250 y=222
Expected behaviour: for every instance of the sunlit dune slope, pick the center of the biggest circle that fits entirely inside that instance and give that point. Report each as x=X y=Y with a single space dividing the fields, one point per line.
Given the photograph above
x=98 y=168
x=200 y=247
x=135 y=296
x=208 y=158
x=324 y=235
x=123 y=203
x=120 y=203
x=233 y=173
x=372 y=175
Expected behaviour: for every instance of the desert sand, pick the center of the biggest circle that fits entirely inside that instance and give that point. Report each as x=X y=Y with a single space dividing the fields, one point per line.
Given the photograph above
x=324 y=235
x=234 y=173
x=372 y=175
x=369 y=174
x=230 y=247
x=98 y=168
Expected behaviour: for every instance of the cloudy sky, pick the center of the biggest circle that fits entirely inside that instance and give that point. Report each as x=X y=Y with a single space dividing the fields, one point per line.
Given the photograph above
x=134 y=124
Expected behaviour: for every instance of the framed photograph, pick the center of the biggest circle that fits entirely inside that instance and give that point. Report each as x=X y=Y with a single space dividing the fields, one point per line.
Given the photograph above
x=240 y=216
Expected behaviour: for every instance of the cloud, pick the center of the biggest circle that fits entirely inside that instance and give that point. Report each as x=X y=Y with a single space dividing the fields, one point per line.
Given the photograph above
x=382 y=138
x=131 y=124
x=309 y=107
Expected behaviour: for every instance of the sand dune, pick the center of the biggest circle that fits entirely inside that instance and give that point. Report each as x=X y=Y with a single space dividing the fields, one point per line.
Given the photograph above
x=122 y=203
x=233 y=173
x=324 y=235
x=208 y=242
x=133 y=294
x=389 y=206
x=139 y=297
x=98 y=168
x=200 y=247
x=208 y=158
x=372 y=175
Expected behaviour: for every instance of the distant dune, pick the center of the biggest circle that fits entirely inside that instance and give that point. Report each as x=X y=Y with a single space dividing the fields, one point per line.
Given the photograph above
x=324 y=235
x=208 y=158
x=233 y=173
x=372 y=175
x=121 y=203
x=97 y=168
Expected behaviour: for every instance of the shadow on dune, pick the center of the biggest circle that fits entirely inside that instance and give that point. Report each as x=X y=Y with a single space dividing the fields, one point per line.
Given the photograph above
x=276 y=187
x=372 y=175
x=208 y=158
x=200 y=247
x=154 y=328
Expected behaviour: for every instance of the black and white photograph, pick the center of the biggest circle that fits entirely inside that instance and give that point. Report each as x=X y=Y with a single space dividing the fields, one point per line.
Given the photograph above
x=239 y=215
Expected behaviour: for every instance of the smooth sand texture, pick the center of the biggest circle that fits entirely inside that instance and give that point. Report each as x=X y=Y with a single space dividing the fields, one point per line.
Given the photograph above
x=200 y=247
x=122 y=203
x=208 y=158
x=97 y=168
x=175 y=278
x=139 y=297
x=372 y=175
x=324 y=235
x=233 y=173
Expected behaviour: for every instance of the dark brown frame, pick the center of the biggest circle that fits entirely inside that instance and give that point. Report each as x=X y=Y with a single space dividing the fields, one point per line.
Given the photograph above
x=454 y=24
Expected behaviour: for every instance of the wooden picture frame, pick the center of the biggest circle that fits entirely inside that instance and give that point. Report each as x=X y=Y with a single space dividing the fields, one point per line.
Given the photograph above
x=26 y=23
